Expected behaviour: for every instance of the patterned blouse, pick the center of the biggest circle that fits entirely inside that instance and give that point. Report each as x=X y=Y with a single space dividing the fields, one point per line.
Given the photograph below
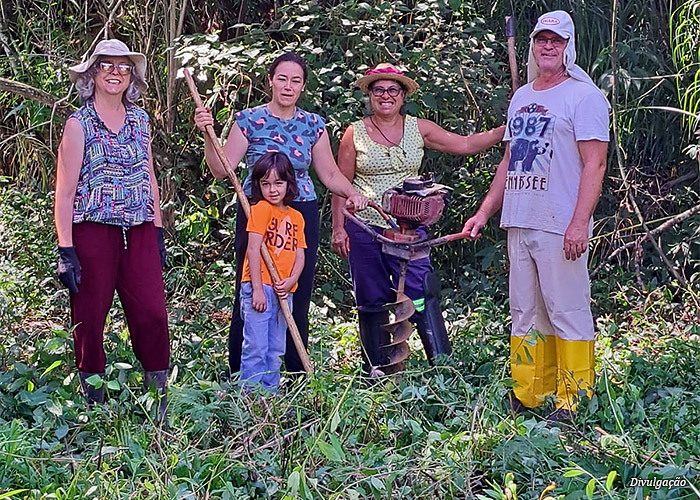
x=379 y=167
x=295 y=137
x=114 y=185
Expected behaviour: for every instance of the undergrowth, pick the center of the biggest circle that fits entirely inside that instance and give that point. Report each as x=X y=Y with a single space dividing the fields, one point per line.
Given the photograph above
x=435 y=432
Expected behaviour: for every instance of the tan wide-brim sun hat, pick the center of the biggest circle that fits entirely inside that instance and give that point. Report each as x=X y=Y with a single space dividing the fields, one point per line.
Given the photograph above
x=386 y=71
x=112 y=47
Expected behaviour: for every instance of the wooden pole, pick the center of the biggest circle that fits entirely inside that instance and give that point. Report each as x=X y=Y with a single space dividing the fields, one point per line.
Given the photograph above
x=243 y=200
x=512 y=61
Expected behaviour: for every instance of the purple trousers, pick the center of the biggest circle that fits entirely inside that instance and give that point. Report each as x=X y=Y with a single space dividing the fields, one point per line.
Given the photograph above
x=135 y=273
x=375 y=275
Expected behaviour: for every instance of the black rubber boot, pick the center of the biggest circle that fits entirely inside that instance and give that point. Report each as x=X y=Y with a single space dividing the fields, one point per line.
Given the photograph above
x=430 y=324
x=159 y=379
x=373 y=336
x=92 y=394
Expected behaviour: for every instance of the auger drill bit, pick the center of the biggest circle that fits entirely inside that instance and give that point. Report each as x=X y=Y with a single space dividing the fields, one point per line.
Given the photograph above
x=395 y=352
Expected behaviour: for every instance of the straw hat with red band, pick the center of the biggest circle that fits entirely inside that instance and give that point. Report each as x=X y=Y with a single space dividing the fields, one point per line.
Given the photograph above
x=112 y=47
x=386 y=71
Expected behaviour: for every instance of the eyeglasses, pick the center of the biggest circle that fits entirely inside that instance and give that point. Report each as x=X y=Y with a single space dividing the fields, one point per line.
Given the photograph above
x=379 y=91
x=122 y=68
x=557 y=41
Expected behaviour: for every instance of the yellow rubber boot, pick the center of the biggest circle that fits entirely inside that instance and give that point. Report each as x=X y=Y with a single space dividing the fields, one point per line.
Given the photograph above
x=535 y=375
x=576 y=363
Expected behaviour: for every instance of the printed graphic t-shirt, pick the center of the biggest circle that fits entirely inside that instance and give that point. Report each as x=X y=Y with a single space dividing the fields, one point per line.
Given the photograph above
x=545 y=166
x=283 y=234
x=295 y=137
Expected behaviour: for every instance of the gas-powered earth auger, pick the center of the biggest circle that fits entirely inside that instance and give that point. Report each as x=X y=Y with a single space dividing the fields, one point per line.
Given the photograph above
x=384 y=330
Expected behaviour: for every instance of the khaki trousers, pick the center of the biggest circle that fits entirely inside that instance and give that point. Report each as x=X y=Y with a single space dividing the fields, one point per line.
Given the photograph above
x=552 y=335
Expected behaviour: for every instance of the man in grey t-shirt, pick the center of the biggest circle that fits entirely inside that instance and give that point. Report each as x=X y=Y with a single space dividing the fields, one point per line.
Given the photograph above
x=548 y=185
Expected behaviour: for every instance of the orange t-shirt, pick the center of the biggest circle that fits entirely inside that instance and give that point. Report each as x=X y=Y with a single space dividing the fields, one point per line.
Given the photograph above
x=283 y=233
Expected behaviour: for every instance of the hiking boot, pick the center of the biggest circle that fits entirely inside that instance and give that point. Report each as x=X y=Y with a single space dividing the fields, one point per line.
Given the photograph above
x=514 y=404
x=159 y=379
x=93 y=394
x=561 y=416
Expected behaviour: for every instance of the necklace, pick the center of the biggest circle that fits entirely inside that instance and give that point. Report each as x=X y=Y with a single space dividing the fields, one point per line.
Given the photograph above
x=385 y=137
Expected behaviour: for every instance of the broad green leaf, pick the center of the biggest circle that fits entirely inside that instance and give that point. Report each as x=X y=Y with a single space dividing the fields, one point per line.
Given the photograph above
x=610 y=480
x=335 y=421
x=293 y=482
x=113 y=385
x=376 y=483
x=430 y=101
x=95 y=381
x=574 y=472
x=337 y=446
x=590 y=488
x=55 y=408
x=54 y=365
x=62 y=431
x=329 y=452
x=434 y=436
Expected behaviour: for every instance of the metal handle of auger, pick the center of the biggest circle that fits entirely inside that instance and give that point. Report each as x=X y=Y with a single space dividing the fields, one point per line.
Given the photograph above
x=383 y=239
x=243 y=200
x=365 y=227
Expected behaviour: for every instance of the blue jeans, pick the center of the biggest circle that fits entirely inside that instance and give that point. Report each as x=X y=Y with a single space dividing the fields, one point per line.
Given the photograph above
x=302 y=295
x=264 y=338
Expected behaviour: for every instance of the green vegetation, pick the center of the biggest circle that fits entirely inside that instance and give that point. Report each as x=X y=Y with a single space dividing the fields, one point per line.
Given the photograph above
x=438 y=432
x=442 y=432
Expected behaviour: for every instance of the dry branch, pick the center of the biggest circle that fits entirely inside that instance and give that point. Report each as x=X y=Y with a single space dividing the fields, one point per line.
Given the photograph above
x=649 y=235
x=65 y=109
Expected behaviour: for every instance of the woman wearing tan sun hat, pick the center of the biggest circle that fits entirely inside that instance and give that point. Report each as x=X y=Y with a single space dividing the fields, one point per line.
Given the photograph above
x=376 y=153
x=108 y=219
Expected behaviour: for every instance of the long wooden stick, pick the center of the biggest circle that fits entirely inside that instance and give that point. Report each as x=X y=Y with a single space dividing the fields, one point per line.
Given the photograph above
x=512 y=61
x=243 y=200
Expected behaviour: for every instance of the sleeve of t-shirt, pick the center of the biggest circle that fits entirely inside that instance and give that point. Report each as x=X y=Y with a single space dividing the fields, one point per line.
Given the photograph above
x=320 y=127
x=301 y=238
x=591 y=118
x=147 y=134
x=243 y=121
x=260 y=214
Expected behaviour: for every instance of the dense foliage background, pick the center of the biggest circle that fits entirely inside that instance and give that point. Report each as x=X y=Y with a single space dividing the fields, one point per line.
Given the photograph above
x=440 y=432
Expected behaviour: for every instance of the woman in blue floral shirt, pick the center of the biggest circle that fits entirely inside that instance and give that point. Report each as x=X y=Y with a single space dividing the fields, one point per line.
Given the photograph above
x=280 y=126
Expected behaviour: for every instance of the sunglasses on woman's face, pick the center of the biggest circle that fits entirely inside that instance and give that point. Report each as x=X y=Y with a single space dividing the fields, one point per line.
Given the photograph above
x=379 y=91
x=123 y=68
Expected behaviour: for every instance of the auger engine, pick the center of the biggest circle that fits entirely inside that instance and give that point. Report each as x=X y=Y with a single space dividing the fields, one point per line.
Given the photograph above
x=419 y=201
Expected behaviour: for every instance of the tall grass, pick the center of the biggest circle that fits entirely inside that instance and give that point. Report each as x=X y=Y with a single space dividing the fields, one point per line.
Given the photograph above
x=437 y=432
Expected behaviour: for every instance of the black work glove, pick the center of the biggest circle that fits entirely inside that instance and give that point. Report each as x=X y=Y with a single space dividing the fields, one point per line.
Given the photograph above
x=68 y=268
x=161 y=246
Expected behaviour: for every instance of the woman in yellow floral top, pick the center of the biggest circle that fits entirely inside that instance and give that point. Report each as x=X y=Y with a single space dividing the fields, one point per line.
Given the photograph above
x=376 y=153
